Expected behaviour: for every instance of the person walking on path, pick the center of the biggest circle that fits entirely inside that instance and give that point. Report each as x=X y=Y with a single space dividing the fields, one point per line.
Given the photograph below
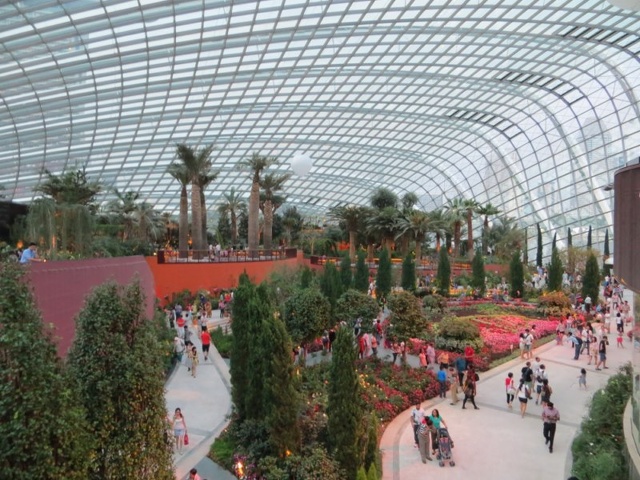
x=179 y=426
x=510 y=387
x=582 y=379
x=425 y=430
x=438 y=423
x=528 y=344
x=541 y=376
x=461 y=366
x=178 y=348
x=527 y=378
x=550 y=416
x=193 y=357
x=422 y=357
x=431 y=355
x=453 y=386
x=442 y=380
x=546 y=392
x=577 y=344
x=417 y=415
x=470 y=390
x=602 y=351
x=523 y=396
x=206 y=343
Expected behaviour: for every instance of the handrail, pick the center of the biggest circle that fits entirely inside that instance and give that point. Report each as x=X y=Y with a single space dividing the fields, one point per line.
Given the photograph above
x=205 y=256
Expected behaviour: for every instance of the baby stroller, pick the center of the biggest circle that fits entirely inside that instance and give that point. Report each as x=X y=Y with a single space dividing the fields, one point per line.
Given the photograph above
x=444 y=447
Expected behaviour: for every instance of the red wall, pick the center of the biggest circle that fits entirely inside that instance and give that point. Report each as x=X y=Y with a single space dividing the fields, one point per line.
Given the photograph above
x=175 y=277
x=61 y=287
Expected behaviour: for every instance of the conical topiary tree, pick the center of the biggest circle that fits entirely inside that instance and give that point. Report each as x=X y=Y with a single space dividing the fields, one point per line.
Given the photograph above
x=242 y=343
x=361 y=278
x=516 y=272
x=408 y=273
x=331 y=284
x=344 y=407
x=553 y=242
x=589 y=239
x=554 y=271
x=443 y=276
x=42 y=427
x=383 y=278
x=116 y=361
x=539 y=249
x=569 y=238
x=591 y=279
x=345 y=273
x=477 y=273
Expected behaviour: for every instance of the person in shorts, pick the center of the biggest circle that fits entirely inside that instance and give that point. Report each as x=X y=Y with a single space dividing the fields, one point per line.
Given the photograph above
x=206 y=342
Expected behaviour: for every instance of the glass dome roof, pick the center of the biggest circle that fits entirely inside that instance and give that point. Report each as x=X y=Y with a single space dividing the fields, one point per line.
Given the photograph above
x=526 y=104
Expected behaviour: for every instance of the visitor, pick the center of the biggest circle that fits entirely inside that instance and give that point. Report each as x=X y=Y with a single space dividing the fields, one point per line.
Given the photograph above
x=442 y=380
x=541 y=376
x=523 y=396
x=510 y=387
x=193 y=358
x=178 y=348
x=357 y=327
x=417 y=415
x=422 y=357
x=332 y=337
x=470 y=390
x=619 y=323
x=587 y=304
x=461 y=367
x=187 y=334
x=362 y=346
x=528 y=344
x=179 y=426
x=577 y=343
x=30 y=254
x=527 y=377
x=546 y=392
x=582 y=378
x=438 y=423
x=521 y=346
x=620 y=339
x=206 y=343
x=550 y=416
x=193 y=475
x=374 y=345
x=593 y=356
x=453 y=385
x=425 y=430
x=395 y=350
x=469 y=352
x=431 y=354
x=602 y=351
x=443 y=359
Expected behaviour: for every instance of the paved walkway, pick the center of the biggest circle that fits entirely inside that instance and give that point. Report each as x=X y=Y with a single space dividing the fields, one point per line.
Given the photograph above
x=495 y=442
x=205 y=402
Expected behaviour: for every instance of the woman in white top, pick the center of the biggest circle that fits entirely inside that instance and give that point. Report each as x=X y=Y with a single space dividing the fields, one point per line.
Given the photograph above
x=179 y=429
x=523 y=396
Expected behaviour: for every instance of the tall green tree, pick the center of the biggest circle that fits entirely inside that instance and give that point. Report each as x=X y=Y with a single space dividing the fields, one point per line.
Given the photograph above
x=372 y=459
x=569 y=238
x=471 y=208
x=589 y=239
x=478 y=273
x=353 y=304
x=271 y=183
x=406 y=316
x=231 y=206
x=261 y=311
x=516 y=273
x=44 y=434
x=204 y=180
x=243 y=307
x=345 y=273
x=255 y=165
x=539 y=249
x=553 y=242
x=443 y=275
x=383 y=278
x=415 y=225
x=331 y=284
x=180 y=173
x=116 y=361
x=361 y=277
x=352 y=218
x=409 y=273
x=198 y=165
x=306 y=315
x=606 y=244
x=456 y=214
x=486 y=210
x=344 y=407
x=591 y=279
x=554 y=271
x=281 y=400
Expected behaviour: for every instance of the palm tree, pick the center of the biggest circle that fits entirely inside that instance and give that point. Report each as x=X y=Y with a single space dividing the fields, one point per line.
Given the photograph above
x=170 y=227
x=198 y=164
x=120 y=211
x=232 y=205
x=181 y=174
x=415 y=226
x=204 y=180
x=256 y=164
x=438 y=225
x=384 y=224
x=471 y=207
x=505 y=237
x=271 y=183
x=148 y=225
x=486 y=210
x=456 y=214
x=352 y=218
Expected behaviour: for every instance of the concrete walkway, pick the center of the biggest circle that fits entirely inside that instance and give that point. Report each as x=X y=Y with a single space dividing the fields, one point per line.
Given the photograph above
x=205 y=402
x=496 y=442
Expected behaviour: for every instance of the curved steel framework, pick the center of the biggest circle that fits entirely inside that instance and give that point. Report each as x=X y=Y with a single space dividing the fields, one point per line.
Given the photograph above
x=526 y=104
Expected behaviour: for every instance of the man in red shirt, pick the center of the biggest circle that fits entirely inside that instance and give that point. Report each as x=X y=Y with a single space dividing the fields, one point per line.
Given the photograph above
x=206 y=341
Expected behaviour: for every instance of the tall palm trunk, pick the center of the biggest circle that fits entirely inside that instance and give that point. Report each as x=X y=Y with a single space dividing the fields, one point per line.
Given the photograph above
x=404 y=245
x=196 y=221
x=470 y=250
x=203 y=206
x=419 y=240
x=438 y=240
x=234 y=228
x=456 y=236
x=352 y=245
x=254 y=208
x=370 y=252
x=183 y=239
x=268 y=225
x=485 y=234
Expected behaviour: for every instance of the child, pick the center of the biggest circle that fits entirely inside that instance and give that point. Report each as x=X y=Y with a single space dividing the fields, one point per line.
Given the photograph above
x=582 y=379
x=620 y=339
x=593 y=356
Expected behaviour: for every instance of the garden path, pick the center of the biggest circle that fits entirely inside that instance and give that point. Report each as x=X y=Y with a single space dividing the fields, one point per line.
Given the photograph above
x=495 y=442
x=205 y=402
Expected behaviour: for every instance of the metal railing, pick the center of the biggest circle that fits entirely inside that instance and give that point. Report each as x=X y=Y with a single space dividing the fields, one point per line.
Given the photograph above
x=205 y=256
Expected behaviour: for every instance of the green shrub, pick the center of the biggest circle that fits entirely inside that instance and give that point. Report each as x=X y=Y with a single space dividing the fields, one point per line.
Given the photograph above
x=554 y=304
x=222 y=341
x=434 y=303
x=599 y=449
x=223 y=449
x=353 y=304
x=455 y=333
